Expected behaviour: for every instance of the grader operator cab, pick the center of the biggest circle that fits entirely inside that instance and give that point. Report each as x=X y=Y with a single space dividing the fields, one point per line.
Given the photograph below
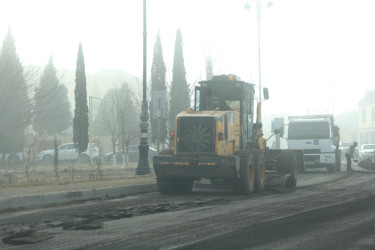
x=220 y=139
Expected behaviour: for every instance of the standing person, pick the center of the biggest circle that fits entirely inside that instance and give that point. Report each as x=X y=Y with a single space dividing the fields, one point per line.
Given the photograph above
x=349 y=155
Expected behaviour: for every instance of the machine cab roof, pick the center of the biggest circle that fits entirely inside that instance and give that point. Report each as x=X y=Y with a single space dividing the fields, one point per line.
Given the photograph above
x=226 y=92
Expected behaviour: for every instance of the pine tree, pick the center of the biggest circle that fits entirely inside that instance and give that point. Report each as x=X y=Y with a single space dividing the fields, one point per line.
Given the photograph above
x=158 y=82
x=179 y=93
x=81 y=121
x=15 y=111
x=52 y=108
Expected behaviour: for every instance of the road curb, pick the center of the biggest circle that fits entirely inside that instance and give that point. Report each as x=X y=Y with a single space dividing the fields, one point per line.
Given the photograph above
x=61 y=197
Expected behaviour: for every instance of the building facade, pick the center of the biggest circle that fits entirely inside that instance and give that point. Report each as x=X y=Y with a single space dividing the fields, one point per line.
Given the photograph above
x=366 y=121
x=348 y=124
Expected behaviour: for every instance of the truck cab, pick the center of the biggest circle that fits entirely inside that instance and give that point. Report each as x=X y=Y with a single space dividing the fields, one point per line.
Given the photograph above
x=318 y=137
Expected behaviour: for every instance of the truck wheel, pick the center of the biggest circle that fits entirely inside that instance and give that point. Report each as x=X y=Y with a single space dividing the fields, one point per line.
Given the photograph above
x=246 y=183
x=338 y=160
x=289 y=166
x=174 y=186
x=259 y=172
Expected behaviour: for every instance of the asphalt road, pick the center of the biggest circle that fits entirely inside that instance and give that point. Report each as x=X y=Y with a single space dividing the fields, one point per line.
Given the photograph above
x=325 y=211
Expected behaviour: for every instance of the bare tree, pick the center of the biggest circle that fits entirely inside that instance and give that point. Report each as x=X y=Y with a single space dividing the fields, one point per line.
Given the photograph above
x=127 y=119
x=118 y=117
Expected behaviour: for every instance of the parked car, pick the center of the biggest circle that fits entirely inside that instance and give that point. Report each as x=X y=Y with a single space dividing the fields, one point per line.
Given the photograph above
x=133 y=154
x=367 y=151
x=68 y=152
x=14 y=158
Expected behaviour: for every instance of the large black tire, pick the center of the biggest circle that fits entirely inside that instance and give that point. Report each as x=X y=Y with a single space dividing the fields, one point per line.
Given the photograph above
x=174 y=186
x=260 y=166
x=338 y=160
x=288 y=165
x=246 y=183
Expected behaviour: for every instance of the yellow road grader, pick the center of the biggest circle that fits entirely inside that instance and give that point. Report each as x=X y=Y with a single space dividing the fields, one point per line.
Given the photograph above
x=220 y=139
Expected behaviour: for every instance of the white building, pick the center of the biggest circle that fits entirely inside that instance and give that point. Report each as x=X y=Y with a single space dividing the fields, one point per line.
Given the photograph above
x=366 y=121
x=348 y=124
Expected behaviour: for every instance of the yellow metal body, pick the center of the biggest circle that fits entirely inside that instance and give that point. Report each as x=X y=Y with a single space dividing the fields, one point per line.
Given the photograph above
x=225 y=143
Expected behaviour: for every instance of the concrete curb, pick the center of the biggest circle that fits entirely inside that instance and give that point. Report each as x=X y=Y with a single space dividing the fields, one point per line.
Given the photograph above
x=61 y=197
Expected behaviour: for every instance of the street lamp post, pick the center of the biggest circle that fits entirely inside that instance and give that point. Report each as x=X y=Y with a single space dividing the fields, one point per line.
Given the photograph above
x=258 y=5
x=143 y=165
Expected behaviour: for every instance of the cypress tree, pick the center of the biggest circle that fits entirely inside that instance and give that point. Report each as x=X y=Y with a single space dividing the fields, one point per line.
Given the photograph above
x=209 y=69
x=15 y=105
x=81 y=121
x=52 y=108
x=179 y=93
x=158 y=71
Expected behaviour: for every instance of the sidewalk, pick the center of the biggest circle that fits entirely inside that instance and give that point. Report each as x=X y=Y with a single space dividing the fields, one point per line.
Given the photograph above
x=25 y=196
x=32 y=195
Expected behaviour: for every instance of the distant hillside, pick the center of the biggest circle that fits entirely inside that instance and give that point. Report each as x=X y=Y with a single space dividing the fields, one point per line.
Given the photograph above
x=97 y=84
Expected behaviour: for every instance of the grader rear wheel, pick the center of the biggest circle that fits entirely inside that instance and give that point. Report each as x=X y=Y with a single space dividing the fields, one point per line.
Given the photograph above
x=246 y=183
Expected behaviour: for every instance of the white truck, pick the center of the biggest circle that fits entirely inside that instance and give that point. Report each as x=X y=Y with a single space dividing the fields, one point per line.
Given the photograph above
x=319 y=139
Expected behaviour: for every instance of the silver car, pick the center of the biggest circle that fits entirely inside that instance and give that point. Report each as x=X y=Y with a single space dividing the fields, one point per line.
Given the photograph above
x=68 y=152
x=367 y=151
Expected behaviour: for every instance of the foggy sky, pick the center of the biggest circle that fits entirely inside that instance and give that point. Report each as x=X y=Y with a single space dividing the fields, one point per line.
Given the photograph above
x=316 y=55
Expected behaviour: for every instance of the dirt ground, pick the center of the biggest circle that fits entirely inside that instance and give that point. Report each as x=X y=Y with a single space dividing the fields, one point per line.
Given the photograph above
x=367 y=164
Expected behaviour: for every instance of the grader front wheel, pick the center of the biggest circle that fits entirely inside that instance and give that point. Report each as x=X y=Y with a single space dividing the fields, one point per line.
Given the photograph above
x=259 y=172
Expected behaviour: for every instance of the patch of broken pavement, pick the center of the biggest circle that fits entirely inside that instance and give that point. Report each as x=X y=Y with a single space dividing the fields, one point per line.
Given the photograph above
x=96 y=220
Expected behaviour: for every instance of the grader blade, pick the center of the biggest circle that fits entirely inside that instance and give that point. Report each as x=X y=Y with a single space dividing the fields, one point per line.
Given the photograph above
x=278 y=182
